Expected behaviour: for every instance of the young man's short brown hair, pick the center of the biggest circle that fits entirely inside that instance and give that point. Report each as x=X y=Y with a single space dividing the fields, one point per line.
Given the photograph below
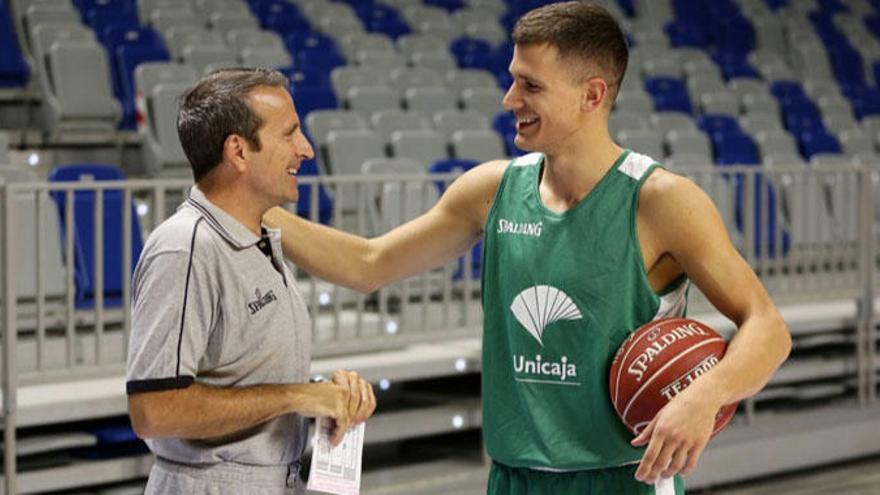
x=216 y=107
x=582 y=32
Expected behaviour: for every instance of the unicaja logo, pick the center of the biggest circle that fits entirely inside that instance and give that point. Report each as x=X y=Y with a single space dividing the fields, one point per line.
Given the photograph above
x=535 y=309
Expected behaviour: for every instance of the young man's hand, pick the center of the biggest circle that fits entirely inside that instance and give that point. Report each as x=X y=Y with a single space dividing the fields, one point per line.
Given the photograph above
x=676 y=436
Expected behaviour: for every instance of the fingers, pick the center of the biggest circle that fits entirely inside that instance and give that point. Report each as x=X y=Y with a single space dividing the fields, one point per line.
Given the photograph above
x=693 y=457
x=645 y=435
x=354 y=395
x=367 y=402
x=340 y=426
x=650 y=459
x=679 y=460
x=668 y=455
x=360 y=400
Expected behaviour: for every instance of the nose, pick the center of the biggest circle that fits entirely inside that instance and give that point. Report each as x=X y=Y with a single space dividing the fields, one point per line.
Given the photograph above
x=511 y=99
x=303 y=148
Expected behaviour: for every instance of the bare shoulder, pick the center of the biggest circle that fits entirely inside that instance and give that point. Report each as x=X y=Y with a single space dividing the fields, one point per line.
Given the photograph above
x=472 y=193
x=677 y=213
x=666 y=193
x=487 y=174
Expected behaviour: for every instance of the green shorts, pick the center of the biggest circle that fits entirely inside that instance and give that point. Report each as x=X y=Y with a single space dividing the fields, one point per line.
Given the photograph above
x=504 y=480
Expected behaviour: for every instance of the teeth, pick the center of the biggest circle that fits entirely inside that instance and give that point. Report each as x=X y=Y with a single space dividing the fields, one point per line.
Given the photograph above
x=292 y=171
x=529 y=120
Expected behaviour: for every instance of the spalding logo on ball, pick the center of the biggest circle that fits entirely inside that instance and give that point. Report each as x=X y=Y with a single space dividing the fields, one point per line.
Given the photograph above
x=656 y=363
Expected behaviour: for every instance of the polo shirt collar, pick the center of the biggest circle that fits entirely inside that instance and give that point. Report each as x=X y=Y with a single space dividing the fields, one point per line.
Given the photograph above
x=225 y=224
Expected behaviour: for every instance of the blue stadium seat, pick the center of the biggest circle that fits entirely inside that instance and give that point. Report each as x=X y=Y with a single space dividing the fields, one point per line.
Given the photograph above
x=509 y=18
x=310 y=40
x=98 y=16
x=731 y=31
x=319 y=59
x=718 y=125
x=735 y=35
x=13 y=68
x=505 y=125
x=872 y=22
x=628 y=7
x=280 y=16
x=765 y=235
x=669 y=94
x=121 y=5
x=505 y=80
x=83 y=224
x=789 y=93
x=687 y=35
x=775 y=5
x=476 y=264
x=127 y=58
x=450 y=5
x=381 y=19
x=736 y=149
x=393 y=28
x=465 y=48
x=865 y=100
x=504 y=122
x=265 y=8
x=313 y=98
x=817 y=141
x=306 y=78
x=800 y=121
x=733 y=64
x=113 y=439
x=304 y=203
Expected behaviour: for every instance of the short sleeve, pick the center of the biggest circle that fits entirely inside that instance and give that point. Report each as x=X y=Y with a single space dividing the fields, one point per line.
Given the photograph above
x=173 y=312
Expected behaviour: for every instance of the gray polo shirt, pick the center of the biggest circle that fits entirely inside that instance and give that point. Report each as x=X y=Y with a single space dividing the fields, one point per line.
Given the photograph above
x=209 y=305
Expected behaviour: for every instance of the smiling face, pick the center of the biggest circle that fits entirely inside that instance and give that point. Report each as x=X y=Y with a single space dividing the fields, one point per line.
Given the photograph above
x=545 y=97
x=283 y=146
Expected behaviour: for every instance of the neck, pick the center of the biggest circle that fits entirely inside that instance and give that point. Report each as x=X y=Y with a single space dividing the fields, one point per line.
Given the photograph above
x=238 y=203
x=571 y=172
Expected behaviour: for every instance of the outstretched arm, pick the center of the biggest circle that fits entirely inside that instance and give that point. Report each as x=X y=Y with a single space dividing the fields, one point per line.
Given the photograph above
x=443 y=233
x=684 y=222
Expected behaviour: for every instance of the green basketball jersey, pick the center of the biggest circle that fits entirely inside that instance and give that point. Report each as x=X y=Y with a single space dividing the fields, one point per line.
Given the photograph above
x=561 y=292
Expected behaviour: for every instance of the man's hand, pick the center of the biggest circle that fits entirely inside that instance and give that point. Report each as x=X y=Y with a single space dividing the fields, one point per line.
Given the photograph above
x=327 y=400
x=361 y=401
x=677 y=436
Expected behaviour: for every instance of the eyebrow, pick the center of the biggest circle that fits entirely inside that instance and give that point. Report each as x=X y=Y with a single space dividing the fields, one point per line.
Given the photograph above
x=529 y=79
x=522 y=75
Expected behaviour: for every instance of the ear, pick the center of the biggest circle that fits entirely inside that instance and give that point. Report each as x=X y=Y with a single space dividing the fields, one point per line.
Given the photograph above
x=235 y=151
x=593 y=93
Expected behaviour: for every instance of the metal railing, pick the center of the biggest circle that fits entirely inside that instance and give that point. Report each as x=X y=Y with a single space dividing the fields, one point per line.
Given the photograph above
x=809 y=234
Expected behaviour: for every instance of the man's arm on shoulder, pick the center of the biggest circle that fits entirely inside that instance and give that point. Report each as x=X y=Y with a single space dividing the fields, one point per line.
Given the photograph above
x=687 y=226
x=434 y=238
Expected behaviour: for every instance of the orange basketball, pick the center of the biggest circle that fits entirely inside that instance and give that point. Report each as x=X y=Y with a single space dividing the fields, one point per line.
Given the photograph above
x=658 y=361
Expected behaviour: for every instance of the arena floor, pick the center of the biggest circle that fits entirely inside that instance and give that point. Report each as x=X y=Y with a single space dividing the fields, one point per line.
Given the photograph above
x=854 y=478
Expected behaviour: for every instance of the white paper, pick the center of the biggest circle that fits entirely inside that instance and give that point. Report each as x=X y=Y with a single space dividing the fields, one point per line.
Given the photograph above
x=336 y=470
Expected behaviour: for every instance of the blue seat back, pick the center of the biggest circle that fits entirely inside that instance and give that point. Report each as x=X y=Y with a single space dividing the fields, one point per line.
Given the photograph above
x=84 y=231
x=305 y=201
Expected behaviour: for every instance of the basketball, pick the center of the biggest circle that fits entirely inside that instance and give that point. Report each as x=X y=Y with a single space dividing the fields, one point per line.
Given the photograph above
x=657 y=362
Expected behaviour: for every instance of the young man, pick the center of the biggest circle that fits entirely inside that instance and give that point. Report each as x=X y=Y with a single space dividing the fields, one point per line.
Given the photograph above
x=603 y=230
x=218 y=364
